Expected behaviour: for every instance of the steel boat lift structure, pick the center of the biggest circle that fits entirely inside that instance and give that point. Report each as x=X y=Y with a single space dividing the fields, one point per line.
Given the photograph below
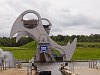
x=40 y=33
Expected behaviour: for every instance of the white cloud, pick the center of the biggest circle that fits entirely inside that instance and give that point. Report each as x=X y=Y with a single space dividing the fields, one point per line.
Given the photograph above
x=67 y=16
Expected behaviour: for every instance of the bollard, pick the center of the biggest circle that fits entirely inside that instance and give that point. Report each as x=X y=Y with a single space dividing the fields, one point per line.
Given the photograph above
x=1 y=67
x=93 y=65
x=73 y=67
x=5 y=65
x=89 y=64
x=9 y=64
x=69 y=67
x=29 y=70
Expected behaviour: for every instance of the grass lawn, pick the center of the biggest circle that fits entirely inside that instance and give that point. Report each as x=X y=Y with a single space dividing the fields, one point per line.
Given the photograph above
x=86 y=54
x=21 y=53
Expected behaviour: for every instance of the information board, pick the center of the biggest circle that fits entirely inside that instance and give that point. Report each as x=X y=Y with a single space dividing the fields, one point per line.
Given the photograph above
x=43 y=48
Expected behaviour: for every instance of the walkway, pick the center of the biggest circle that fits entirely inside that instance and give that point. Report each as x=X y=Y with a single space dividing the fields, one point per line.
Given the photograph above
x=15 y=71
x=87 y=71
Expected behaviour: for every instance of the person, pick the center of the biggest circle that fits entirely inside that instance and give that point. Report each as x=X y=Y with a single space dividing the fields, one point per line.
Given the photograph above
x=33 y=64
x=62 y=66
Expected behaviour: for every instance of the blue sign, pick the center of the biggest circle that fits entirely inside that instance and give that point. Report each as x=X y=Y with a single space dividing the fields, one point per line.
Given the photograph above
x=43 y=48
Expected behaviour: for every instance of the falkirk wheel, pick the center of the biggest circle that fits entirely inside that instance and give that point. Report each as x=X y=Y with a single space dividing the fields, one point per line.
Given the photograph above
x=40 y=33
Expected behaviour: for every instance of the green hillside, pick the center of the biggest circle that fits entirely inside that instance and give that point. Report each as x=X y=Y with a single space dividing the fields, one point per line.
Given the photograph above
x=29 y=45
x=84 y=52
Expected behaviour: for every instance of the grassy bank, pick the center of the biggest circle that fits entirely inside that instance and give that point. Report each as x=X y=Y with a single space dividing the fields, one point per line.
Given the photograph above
x=21 y=53
x=86 y=54
x=80 y=53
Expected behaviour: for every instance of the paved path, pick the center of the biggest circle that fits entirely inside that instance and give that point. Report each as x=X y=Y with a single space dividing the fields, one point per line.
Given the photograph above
x=87 y=71
x=15 y=71
x=80 y=69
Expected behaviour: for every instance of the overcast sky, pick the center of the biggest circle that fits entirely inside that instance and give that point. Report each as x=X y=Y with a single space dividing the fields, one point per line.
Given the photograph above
x=68 y=17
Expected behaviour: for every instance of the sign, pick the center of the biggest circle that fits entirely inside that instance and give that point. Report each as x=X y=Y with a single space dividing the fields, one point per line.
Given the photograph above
x=43 y=48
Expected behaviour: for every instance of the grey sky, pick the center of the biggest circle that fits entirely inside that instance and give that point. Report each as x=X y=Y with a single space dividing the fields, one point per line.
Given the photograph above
x=68 y=17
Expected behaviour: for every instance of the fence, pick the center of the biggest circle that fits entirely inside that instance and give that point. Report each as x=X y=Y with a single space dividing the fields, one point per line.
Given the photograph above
x=3 y=65
x=94 y=64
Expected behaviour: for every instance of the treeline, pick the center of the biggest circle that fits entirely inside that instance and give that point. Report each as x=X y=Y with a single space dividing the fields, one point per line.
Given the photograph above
x=92 y=40
x=80 y=38
x=7 y=42
x=60 y=39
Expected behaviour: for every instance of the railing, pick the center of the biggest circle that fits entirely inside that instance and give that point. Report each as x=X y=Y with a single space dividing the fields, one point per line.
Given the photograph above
x=94 y=64
x=3 y=65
